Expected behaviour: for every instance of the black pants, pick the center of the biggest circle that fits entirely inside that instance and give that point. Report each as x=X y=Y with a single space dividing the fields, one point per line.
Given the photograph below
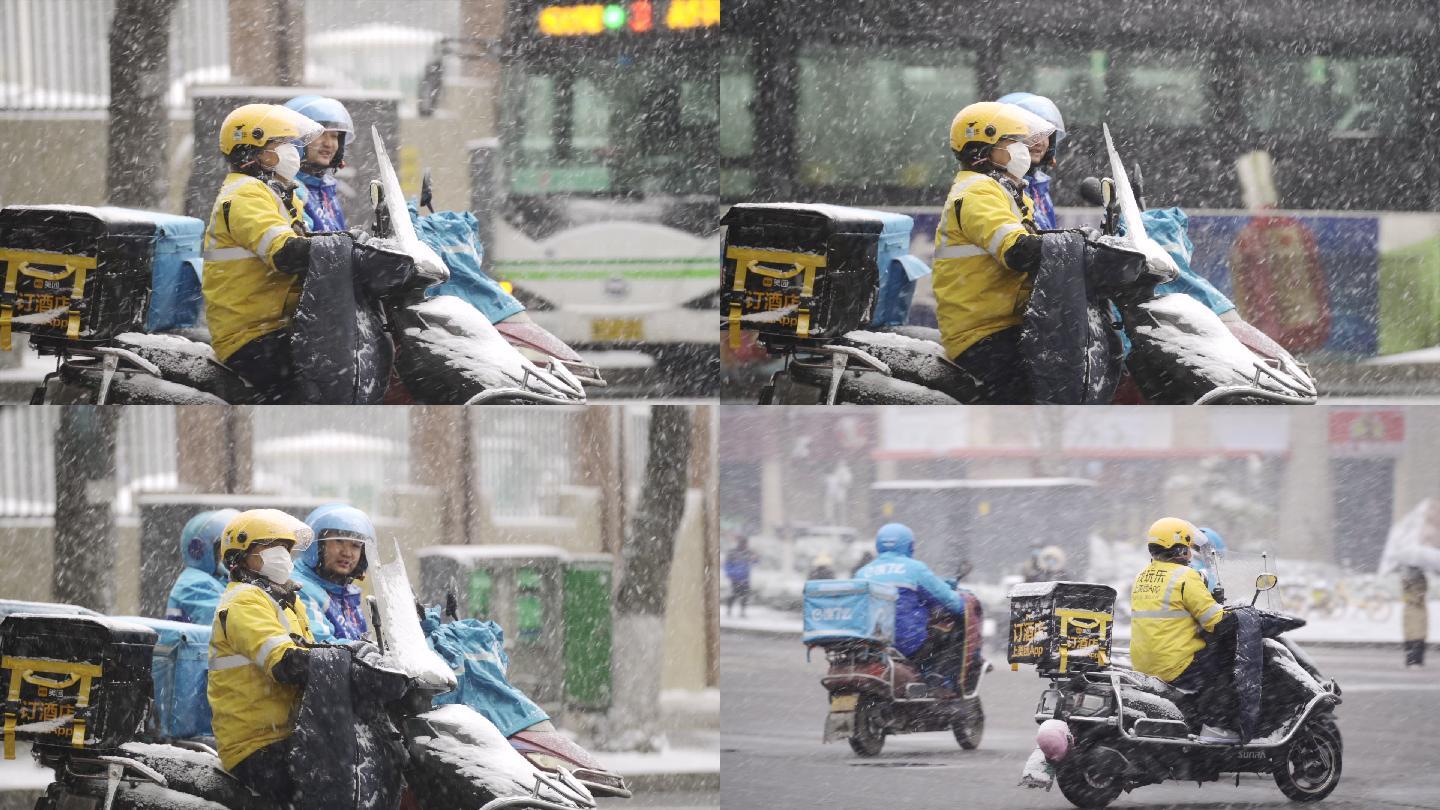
x=738 y=592
x=267 y=772
x=1212 y=674
x=1415 y=653
x=998 y=365
x=265 y=363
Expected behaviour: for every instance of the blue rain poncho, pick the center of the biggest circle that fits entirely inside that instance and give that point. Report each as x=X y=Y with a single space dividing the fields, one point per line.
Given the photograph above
x=475 y=652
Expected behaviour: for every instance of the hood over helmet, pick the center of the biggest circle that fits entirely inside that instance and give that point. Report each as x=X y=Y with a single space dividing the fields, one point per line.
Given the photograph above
x=199 y=538
x=339 y=520
x=896 y=538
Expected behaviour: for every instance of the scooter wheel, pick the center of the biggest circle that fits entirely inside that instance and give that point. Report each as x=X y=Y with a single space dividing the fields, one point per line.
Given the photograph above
x=970 y=728
x=869 y=735
x=1311 y=768
x=1086 y=786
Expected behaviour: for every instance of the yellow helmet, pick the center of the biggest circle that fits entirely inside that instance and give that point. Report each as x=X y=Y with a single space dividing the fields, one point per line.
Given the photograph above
x=262 y=525
x=259 y=124
x=1170 y=532
x=987 y=122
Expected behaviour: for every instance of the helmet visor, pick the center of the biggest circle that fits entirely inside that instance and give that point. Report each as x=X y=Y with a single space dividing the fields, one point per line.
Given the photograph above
x=289 y=126
x=1040 y=129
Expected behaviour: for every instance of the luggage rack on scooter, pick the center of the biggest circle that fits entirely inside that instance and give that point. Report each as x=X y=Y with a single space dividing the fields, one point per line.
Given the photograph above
x=837 y=361
x=1267 y=367
x=112 y=359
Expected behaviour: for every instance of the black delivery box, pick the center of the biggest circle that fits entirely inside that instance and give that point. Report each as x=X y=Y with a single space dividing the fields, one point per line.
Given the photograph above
x=803 y=271
x=1061 y=627
x=73 y=681
x=81 y=273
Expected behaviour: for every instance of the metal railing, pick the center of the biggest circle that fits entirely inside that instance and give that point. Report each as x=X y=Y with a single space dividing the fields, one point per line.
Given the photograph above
x=55 y=54
x=525 y=458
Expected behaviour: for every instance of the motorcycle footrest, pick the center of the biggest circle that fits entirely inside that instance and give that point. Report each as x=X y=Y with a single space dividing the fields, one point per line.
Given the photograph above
x=1168 y=729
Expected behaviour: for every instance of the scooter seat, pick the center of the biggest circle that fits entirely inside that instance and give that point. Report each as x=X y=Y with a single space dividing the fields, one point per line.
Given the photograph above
x=195 y=773
x=189 y=362
x=914 y=355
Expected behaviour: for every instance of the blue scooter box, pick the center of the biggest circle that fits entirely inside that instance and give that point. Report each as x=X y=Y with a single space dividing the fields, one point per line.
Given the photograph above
x=180 y=668
x=849 y=610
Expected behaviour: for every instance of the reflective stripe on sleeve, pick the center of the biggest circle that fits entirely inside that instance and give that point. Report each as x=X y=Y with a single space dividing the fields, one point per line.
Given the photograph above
x=1160 y=614
x=269 y=647
x=959 y=252
x=269 y=239
x=1210 y=614
x=999 y=238
x=228 y=662
x=228 y=254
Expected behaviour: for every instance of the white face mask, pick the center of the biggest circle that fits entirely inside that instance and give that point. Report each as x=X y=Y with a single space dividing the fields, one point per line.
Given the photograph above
x=289 y=163
x=1019 y=160
x=276 y=564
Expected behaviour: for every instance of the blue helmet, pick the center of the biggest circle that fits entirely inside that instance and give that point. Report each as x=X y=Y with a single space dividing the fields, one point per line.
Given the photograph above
x=332 y=115
x=1216 y=541
x=339 y=520
x=895 y=537
x=199 y=537
x=1041 y=106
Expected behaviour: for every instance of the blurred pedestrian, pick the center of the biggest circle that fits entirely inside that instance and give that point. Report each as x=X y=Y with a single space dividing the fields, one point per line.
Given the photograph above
x=822 y=567
x=1415 y=623
x=737 y=569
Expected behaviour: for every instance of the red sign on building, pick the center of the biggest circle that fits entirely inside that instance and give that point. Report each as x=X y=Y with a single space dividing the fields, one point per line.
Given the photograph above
x=1367 y=431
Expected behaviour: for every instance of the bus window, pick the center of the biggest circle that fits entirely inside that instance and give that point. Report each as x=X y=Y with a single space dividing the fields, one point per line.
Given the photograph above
x=879 y=114
x=1074 y=80
x=1165 y=89
x=1346 y=97
x=737 y=123
x=616 y=126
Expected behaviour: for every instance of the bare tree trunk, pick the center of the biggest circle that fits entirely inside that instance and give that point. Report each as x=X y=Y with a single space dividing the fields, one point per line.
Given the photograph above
x=213 y=448
x=645 y=576
x=136 y=174
x=85 y=546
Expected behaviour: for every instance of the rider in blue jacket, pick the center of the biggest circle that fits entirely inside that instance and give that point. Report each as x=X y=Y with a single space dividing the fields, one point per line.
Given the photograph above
x=1039 y=188
x=197 y=591
x=324 y=156
x=920 y=589
x=327 y=570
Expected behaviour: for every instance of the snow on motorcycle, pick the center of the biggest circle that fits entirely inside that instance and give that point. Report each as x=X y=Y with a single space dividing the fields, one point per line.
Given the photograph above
x=82 y=694
x=827 y=289
x=1105 y=729
x=85 y=281
x=873 y=690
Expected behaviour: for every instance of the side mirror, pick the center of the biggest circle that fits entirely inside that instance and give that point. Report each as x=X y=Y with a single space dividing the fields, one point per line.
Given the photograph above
x=425 y=190
x=1264 y=582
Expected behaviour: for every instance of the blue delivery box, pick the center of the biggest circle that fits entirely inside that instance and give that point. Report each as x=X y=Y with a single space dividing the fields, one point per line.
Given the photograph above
x=849 y=610
x=180 y=668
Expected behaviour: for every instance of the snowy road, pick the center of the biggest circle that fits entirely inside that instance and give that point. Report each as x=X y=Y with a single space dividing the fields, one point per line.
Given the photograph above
x=774 y=710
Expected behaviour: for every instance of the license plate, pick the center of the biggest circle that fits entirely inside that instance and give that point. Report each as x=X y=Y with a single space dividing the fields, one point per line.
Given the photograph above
x=844 y=703
x=611 y=329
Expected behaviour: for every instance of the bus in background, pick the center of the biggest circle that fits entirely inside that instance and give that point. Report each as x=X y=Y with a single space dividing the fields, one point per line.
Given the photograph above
x=838 y=101
x=607 y=222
